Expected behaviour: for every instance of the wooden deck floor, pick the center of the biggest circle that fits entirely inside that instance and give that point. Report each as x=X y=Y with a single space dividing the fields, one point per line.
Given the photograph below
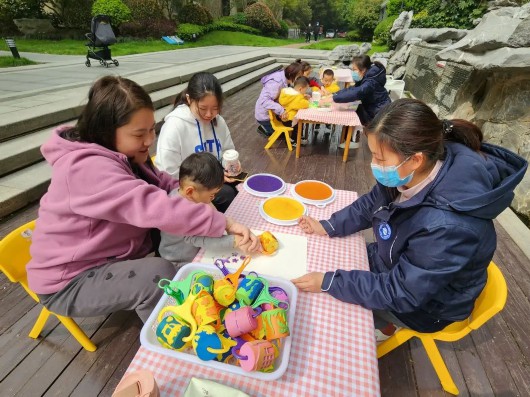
x=495 y=360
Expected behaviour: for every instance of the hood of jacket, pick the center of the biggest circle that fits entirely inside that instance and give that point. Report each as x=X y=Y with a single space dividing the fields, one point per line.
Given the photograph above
x=289 y=96
x=376 y=72
x=487 y=189
x=183 y=112
x=57 y=149
x=278 y=77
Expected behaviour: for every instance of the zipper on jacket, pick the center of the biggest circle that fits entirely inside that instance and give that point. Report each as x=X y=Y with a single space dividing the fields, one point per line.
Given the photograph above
x=392 y=247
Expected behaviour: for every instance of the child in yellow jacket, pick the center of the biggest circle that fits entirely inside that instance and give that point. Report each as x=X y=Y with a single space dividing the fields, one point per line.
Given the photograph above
x=293 y=98
x=329 y=85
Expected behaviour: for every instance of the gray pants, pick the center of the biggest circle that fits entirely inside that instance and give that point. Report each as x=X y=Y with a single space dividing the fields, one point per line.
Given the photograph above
x=126 y=285
x=382 y=318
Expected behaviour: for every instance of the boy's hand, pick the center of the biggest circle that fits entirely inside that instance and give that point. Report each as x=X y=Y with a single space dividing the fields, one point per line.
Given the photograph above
x=284 y=116
x=310 y=282
x=310 y=225
x=228 y=179
x=326 y=100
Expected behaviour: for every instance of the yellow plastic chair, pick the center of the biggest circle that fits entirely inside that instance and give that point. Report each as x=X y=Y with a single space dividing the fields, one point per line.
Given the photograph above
x=490 y=302
x=14 y=255
x=279 y=129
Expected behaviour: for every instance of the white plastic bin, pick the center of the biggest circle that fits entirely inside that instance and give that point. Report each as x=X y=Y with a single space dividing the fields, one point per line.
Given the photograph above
x=149 y=341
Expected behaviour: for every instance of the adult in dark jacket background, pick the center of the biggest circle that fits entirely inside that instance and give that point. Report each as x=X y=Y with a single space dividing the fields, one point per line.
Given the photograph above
x=438 y=190
x=370 y=80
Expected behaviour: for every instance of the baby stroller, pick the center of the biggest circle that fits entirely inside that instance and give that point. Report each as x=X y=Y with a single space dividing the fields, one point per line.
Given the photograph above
x=99 y=39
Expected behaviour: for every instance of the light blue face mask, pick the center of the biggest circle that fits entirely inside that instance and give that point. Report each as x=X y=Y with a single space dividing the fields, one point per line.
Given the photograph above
x=389 y=176
x=356 y=76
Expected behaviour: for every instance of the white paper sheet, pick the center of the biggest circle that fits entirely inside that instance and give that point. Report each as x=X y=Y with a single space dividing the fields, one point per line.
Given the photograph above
x=290 y=261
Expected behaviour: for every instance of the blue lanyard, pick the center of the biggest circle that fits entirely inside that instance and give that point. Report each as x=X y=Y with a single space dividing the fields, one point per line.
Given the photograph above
x=214 y=138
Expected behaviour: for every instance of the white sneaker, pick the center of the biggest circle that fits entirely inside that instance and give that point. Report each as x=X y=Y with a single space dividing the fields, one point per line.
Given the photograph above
x=380 y=337
x=353 y=145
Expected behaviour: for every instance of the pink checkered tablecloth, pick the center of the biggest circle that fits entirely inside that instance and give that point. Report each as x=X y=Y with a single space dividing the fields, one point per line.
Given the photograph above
x=339 y=117
x=333 y=350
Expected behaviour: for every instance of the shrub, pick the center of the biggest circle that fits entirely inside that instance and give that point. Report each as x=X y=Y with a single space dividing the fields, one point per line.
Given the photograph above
x=195 y=14
x=240 y=18
x=15 y=9
x=70 y=13
x=143 y=10
x=284 y=28
x=186 y=31
x=115 y=9
x=435 y=14
x=353 y=35
x=382 y=31
x=259 y=16
x=233 y=27
x=155 y=28
x=363 y=17
x=147 y=20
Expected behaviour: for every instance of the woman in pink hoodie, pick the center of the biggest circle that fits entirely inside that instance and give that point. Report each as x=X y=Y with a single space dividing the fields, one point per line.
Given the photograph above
x=105 y=198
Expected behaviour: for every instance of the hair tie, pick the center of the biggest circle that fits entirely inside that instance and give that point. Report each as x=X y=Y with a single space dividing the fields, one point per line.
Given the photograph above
x=447 y=126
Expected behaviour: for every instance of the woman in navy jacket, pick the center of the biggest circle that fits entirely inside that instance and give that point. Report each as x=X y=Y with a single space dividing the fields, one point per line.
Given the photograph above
x=438 y=190
x=370 y=80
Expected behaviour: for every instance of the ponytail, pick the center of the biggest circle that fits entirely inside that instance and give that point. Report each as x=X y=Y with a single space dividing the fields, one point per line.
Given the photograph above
x=294 y=70
x=180 y=99
x=462 y=131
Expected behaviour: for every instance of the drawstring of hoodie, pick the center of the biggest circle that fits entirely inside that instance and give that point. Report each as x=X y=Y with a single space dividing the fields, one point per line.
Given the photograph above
x=214 y=138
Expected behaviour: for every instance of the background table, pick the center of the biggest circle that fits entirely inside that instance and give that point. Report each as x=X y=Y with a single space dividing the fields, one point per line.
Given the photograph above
x=348 y=118
x=333 y=350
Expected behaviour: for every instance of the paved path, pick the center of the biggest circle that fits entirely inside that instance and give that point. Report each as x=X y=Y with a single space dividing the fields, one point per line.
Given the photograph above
x=59 y=71
x=300 y=45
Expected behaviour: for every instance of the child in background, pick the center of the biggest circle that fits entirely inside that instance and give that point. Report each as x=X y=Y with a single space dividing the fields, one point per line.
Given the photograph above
x=293 y=99
x=200 y=179
x=307 y=70
x=195 y=125
x=329 y=85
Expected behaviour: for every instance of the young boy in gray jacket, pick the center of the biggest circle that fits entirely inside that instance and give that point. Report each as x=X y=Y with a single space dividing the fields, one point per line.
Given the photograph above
x=201 y=177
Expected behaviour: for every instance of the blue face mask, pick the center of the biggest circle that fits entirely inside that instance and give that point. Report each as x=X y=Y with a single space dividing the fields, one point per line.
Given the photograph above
x=356 y=76
x=389 y=176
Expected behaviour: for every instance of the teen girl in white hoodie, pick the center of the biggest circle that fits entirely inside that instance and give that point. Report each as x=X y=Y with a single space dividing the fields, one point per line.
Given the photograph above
x=194 y=126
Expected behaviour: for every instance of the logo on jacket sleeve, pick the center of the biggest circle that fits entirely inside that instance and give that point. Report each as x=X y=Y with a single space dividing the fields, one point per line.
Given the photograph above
x=385 y=231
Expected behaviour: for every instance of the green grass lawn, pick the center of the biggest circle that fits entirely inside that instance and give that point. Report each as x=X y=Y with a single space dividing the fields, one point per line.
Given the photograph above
x=9 y=61
x=332 y=43
x=77 y=47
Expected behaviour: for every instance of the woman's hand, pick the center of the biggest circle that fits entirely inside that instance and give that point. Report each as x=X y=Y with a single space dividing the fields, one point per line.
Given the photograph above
x=247 y=236
x=310 y=225
x=310 y=282
x=245 y=248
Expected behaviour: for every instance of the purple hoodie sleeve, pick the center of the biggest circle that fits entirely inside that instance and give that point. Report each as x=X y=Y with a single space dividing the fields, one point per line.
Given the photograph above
x=114 y=195
x=271 y=91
